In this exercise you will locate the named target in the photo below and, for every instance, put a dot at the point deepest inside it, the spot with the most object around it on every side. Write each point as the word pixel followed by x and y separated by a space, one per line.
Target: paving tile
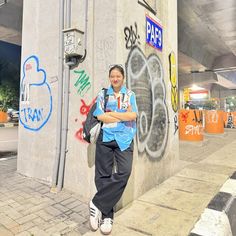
pixel 73 205
pixel 24 234
pixel 23 227
pixel 44 215
pixel 5 232
pixel 26 218
pixel 37 232
pixel 80 208
pixel 78 218
pixel 149 219
pixel 68 201
pixel 60 207
pixel 13 214
pixel 57 228
pixel 53 211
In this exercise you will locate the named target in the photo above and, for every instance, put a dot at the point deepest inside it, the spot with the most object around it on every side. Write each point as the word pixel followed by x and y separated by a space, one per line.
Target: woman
pixel 115 141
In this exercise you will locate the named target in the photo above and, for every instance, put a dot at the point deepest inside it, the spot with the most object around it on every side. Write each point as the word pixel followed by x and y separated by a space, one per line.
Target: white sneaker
pixel 95 216
pixel 106 226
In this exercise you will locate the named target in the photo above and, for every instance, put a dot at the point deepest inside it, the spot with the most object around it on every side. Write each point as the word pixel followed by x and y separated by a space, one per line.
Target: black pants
pixel 110 186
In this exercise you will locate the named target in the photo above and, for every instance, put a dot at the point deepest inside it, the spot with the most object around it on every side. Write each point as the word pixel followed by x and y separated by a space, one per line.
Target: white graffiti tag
pixel 193 130
pixel 145 78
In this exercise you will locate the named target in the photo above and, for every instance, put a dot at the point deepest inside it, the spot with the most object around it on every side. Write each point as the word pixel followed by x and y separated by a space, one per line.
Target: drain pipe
pixel 60 96
pixel 86 28
pixel 65 108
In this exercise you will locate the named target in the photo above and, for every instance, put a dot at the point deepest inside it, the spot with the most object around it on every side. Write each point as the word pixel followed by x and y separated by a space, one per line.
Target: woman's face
pixel 116 79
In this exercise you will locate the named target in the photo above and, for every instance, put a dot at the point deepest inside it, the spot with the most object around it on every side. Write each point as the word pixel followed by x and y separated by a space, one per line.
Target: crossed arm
pixel 112 117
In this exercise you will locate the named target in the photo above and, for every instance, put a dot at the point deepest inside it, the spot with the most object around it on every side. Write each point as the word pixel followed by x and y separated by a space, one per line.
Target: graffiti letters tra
pixel 35 111
pixel 145 78
pixel 131 36
pixel 82 83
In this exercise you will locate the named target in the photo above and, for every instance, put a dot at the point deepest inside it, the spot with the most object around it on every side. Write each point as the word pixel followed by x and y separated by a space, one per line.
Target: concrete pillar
pixel 116 34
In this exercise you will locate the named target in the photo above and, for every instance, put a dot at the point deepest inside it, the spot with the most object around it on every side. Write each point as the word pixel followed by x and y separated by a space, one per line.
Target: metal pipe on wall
pixel 65 108
pixel 60 96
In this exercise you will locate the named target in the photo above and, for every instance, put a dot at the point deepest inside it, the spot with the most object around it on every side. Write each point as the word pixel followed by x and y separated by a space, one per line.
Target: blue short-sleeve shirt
pixel 123 132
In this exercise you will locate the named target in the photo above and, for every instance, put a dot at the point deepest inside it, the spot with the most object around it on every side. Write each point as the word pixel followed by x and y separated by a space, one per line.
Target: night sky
pixel 10 52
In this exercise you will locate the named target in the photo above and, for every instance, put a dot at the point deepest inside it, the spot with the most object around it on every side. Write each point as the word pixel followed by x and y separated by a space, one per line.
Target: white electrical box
pixel 73 42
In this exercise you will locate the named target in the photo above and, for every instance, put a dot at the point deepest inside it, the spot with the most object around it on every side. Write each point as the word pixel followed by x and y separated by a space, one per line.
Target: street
pixel 8 140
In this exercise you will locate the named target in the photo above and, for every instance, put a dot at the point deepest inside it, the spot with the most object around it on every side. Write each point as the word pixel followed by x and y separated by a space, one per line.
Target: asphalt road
pixel 8 140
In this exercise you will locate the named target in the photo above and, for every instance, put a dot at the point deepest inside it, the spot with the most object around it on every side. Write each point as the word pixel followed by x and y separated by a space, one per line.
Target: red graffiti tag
pixel 84 110
pixel 184 116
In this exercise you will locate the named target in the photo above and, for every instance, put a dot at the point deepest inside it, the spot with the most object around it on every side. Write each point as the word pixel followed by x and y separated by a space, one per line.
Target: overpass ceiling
pixel 207 36
pixel 11 21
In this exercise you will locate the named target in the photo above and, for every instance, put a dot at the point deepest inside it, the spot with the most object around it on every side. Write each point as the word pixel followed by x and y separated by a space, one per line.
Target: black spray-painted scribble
pixel 176 124
pixel 145 78
pixel 198 117
pixel 147 6
pixel 131 36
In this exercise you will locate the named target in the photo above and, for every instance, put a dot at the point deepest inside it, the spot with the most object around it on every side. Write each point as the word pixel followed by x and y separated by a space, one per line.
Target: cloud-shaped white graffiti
pixel 35 96
pixel 145 78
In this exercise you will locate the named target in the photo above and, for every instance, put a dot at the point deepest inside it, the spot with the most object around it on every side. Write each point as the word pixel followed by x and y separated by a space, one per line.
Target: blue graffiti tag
pixel 34 111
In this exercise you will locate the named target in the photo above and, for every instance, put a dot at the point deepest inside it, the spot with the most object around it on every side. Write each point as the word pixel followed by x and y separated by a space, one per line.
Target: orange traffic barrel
pixel 190 125
pixel 214 122
pixel 3 117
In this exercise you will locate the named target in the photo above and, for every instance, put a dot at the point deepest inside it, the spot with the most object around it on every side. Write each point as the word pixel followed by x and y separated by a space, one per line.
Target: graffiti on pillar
pixel 145 78
pixel 35 95
pixel 147 6
pixel 131 36
pixel 84 110
pixel 82 83
pixel 174 88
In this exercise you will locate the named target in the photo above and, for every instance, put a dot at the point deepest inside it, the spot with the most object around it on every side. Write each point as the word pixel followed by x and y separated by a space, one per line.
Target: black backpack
pixel 92 126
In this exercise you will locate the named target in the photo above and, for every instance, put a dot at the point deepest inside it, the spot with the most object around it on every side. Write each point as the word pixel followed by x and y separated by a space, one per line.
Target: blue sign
pixel 153 33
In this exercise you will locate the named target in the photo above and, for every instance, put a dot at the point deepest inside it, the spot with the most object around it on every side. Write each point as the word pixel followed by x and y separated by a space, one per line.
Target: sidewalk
pixel 171 209
pixel 28 208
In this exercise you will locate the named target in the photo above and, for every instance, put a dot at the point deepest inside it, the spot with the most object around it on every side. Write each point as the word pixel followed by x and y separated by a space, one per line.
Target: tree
pixel 9 85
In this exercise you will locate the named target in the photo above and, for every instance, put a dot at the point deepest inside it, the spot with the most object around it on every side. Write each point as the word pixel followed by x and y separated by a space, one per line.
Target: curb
pixel 7 125
pixel 218 218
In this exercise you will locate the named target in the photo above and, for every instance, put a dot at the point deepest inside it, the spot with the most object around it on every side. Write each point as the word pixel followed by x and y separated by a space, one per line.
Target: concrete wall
pixel 116 34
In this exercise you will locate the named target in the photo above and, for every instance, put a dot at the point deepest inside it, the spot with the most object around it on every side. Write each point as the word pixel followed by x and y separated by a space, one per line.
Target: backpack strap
pixel 105 97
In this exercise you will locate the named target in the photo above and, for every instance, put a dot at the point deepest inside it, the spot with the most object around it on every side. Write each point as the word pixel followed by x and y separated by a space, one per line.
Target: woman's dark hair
pixel 119 68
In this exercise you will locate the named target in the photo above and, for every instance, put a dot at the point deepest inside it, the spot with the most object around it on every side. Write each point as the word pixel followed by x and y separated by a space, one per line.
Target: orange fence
pixel 190 125
pixel 214 121
pixel 3 117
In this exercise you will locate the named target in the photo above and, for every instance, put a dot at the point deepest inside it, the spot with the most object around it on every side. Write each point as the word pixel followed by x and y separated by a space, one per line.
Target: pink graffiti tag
pixel 28 67
pixel 84 110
